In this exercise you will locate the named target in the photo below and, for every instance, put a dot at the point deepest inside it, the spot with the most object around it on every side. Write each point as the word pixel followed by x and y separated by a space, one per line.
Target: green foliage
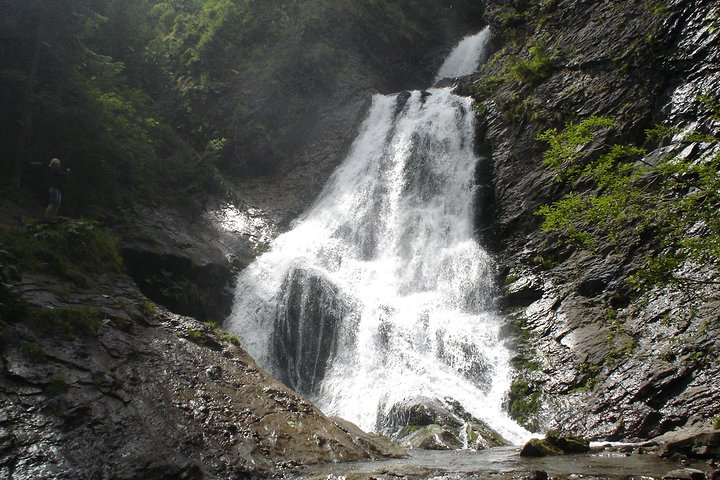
pixel 196 336
pixel 542 262
pixel 486 87
pixel 76 85
pixel 148 308
pixel 618 198
pixel 519 16
pixel 73 249
pixel 33 352
pixel 66 321
pixel 524 404
pixel 566 147
pixel 716 422
pixel 660 133
pixel 225 336
pixel 658 7
pixel 536 69
pixel 623 343
pixel 711 104
pixel 57 385
pixel 589 377
pixel 229 337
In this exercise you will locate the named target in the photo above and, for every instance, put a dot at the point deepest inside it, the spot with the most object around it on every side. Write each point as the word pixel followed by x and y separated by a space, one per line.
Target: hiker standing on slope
pixel 56 177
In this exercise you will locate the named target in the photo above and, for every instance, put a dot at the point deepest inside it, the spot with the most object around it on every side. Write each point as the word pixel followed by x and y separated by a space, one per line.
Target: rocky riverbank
pixel 100 382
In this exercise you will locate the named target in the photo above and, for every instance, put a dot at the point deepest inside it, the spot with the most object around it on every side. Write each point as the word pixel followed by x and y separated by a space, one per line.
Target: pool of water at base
pixel 497 462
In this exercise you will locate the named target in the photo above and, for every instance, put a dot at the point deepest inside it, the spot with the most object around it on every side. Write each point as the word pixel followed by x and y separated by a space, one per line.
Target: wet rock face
pixel 697 445
pixel 603 362
pixel 305 334
pixel 185 262
pixel 434 424
pixel 149 394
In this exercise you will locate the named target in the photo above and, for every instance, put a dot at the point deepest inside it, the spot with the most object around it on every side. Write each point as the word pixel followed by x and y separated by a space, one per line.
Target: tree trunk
pixel 27 112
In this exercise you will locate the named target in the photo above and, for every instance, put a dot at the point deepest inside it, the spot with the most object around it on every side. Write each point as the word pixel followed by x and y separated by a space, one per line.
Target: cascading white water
pixel 380 291
pixel 466 57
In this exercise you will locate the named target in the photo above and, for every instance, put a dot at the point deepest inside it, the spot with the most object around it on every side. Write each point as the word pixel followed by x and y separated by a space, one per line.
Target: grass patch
pixel 72 249
pixel 57 385
pixel 196 336
pixel 69 322
pixel 148 309
pixel 33 352
pixel 590 376
pixel 536 69
pixel 226 336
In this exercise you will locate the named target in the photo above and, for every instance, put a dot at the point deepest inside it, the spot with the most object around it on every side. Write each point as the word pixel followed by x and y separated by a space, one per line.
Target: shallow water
pixel 461 464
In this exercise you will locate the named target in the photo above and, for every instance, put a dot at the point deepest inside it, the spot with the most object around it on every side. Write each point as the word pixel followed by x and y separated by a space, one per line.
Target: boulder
pixel 568 443
pixel 432 437
pixel 693 445
pixel 555 443
pixel 538 447
pixel 685 474
pixel 185 262
pixel 436 424
pixel 306 328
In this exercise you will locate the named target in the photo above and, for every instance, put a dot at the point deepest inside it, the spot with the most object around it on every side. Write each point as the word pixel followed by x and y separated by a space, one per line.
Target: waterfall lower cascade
pixel 380 292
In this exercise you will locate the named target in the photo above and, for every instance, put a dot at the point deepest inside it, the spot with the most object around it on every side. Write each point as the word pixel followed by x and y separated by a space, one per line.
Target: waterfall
pixel 380 292
pixel 467 55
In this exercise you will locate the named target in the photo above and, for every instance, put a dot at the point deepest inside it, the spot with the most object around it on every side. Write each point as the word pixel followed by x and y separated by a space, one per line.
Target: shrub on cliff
pixel 72 249
pixel 619 195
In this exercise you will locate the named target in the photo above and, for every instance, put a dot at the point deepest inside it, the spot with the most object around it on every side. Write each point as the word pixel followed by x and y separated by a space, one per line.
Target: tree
pixel 619 195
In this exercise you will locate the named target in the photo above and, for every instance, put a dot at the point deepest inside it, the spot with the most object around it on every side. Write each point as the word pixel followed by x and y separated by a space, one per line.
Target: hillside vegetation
pixel 141 97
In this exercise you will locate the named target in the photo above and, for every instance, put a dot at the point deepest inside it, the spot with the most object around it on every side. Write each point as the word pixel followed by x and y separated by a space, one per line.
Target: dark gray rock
pixel 185 262
pixel 538 447
pixel 608 364
pixel 685 474
pixel 436 424
pixel 555 443
pixel 306 328
pixel 535 475
pixel 152 395
pixel 568 443
pixel 522 292
pixel 697 445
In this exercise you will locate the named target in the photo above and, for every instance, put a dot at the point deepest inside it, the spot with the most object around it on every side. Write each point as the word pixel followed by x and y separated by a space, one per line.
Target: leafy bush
pixel 73 249
pixel 618 198
pixel 524 404
pixel 535 70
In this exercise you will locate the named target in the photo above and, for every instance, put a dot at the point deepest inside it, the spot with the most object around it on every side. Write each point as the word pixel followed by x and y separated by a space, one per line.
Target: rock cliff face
pixel 594 358
pixel 105 385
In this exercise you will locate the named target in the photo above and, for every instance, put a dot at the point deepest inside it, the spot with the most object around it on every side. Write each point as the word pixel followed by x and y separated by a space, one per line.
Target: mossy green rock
pixel 554 444
pixel 433 437
pixel 435 424
pixel 568 443
pixel 539 447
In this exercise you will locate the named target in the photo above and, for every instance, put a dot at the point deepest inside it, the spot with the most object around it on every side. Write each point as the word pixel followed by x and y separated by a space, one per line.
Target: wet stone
pixel 685 474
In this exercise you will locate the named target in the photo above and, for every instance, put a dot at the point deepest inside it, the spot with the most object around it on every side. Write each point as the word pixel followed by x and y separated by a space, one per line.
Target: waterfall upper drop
pixel 467 55
pixel 380 293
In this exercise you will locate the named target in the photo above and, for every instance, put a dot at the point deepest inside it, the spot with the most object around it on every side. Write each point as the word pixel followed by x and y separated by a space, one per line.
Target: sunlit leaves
pixel 622 199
